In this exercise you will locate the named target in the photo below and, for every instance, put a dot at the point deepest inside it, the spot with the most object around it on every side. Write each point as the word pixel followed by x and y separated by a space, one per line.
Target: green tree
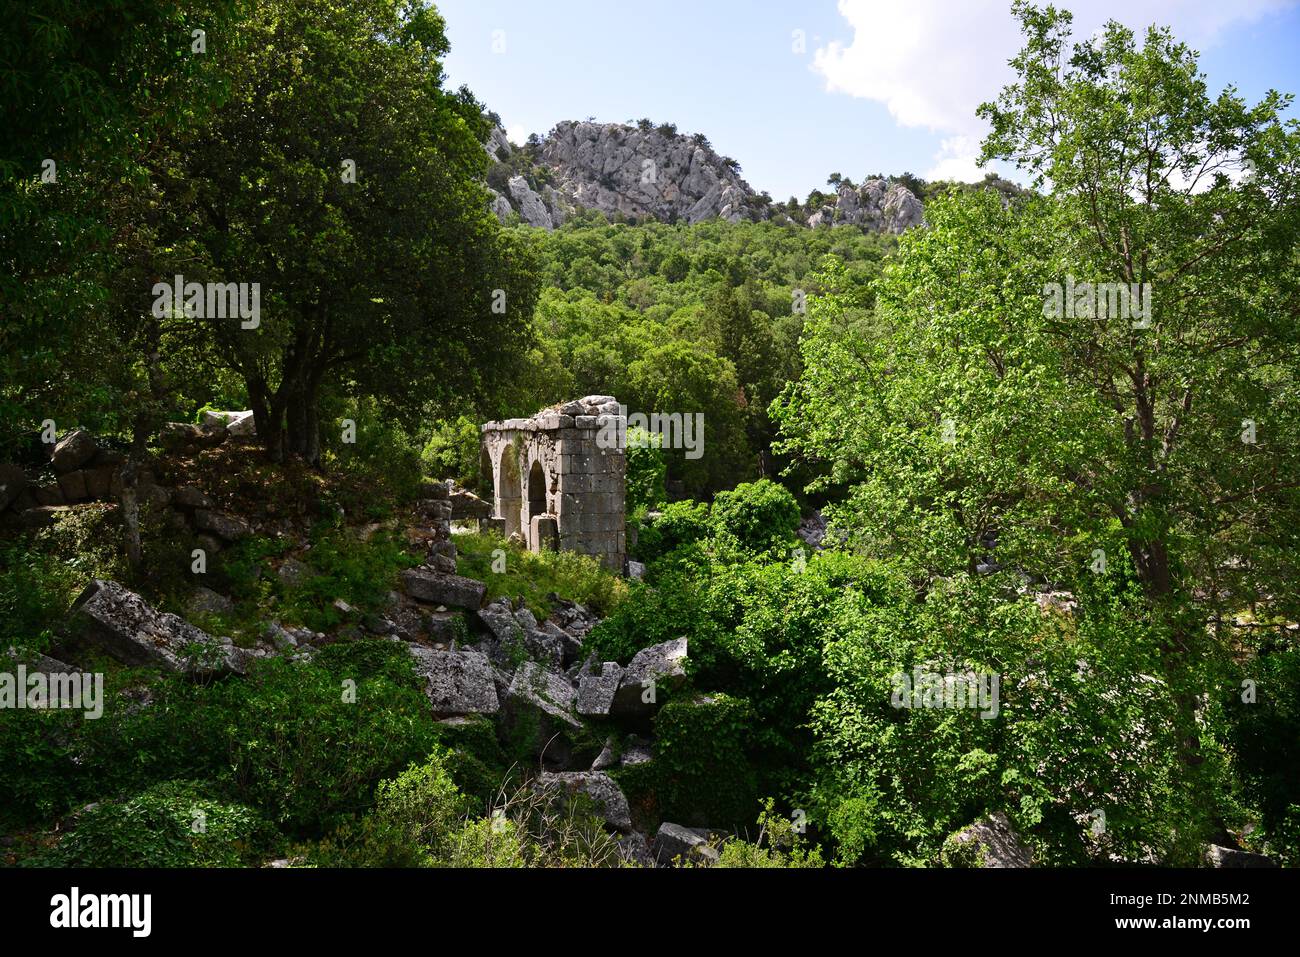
pixel 399 285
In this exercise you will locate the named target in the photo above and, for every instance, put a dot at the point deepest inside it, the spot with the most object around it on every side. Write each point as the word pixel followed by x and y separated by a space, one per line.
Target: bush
pixel 679 524
pixel 646 471
pixel 453 453
pixel 760 516
pixel 173 824
pixel 704 773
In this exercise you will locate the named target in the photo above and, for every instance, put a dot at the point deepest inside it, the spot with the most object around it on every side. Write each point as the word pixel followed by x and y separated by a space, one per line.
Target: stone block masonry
pixel 550 467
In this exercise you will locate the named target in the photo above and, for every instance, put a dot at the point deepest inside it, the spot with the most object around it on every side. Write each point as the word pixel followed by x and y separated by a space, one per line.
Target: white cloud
pixel 517 134
pixel 932 62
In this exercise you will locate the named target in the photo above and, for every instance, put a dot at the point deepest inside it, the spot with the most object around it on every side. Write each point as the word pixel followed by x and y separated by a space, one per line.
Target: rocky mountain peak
pixel 646 171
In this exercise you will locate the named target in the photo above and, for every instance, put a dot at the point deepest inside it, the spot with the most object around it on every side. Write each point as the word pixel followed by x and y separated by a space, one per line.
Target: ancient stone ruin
pixel 554 486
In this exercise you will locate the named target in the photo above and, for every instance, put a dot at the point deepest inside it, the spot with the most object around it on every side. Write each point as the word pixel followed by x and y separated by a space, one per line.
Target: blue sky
pixel 866 86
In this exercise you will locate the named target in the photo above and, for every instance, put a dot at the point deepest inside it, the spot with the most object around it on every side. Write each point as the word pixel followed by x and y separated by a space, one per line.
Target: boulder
pixel 228 528
pixel 1217 855
pixel 500 620
pixel 12 482
pixel 456 682
pixel 126 627
pixel 672 842
pixel 99 482
pixel 73 451
pixel 189 497
pixel 655 668
pixel 236 424
pixel 636 751
pixel 596 691
pixel 438 588
pixel 608 797
pixel 49 494
pixel 73 486
pixel 293 572
pixel 535 688
pixel 989 842
pixel 207 601
pixel 635 850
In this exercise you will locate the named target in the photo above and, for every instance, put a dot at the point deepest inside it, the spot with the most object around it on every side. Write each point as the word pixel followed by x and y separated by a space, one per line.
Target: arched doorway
pixel 510 491
pixel 536 492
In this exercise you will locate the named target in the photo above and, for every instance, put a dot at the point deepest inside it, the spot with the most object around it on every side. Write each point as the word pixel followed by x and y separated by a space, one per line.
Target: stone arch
pixel 487 474
pixel 536 491
pixel 510 492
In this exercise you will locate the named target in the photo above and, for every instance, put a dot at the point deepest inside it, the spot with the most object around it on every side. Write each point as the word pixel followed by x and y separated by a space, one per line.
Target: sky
pixel 799 89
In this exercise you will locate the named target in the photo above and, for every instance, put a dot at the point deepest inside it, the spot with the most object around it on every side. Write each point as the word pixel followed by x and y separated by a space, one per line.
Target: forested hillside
pixel 988 556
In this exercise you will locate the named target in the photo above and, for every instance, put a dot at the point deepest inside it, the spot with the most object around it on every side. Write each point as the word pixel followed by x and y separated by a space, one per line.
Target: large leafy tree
pixel 91 90
pixel 978 431
pixel 399 285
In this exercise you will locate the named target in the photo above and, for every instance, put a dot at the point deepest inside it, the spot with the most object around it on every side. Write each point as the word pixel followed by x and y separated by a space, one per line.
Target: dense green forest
pixel 1092 515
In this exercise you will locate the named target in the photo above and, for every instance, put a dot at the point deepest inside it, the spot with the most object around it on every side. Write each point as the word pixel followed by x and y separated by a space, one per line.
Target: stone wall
pixel 554 485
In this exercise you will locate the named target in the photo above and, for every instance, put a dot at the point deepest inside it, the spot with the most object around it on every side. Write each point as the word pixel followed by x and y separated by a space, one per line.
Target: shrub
pixel 760 516
pixel 646 471
pixel 679 524
pixel 173 824
pixel 704 773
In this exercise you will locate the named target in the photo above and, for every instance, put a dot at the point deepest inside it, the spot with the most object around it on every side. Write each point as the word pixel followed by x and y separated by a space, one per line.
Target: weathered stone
pixel 635 850
pixel 457 682
pixel 207 601
pixel 500 620
pixel 189 497
pixel 652 669
pixel 1218 856
pixel 636 751
pixel 236 424
pixel 673 842
pixel 596 692
pixel 534 687
pixel 226 527
pixel 49 494
pixel 438 588
pixel 73 451
pixel 128 628
pixel 989 842
pixel 99 482
pixel 12 482
pixel 607 796
pixel 293 572
pixel 73 486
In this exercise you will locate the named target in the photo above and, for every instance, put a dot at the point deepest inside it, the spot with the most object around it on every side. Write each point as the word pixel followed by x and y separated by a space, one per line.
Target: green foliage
pixel 646 470
pixel 678 524
pixel 173 824
pixel 705 775
pixel 786 847
pixel 760 516
pixel 535 576
pixel 453 453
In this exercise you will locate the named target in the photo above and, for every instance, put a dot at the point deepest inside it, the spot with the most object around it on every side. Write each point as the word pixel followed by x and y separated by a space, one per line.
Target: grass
pixel 533 577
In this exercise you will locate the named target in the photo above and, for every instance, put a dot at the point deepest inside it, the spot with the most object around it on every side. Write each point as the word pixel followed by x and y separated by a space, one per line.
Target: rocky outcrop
pixel 876 205
pixel 647 172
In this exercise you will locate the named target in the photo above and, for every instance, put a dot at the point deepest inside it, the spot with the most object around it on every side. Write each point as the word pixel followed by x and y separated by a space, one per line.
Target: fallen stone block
pixel 438 588
pixel 73 451
pixel 673 842
pixel 650 672
pixel 596 691
pixel 123 625
pixel 607 796
pixel 456 682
